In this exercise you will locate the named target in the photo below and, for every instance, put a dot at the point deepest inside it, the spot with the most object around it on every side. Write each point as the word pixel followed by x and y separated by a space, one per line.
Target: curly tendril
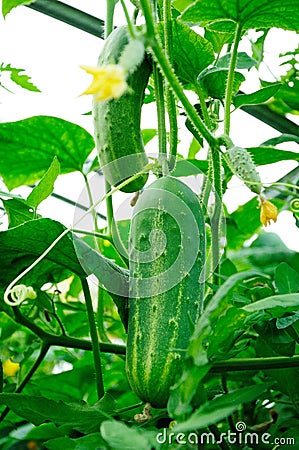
pixel 18 294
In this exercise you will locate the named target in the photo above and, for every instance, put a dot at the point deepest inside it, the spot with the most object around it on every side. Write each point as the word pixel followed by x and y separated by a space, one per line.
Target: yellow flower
pixel 10 368
pixel 109 81
pixel 268 212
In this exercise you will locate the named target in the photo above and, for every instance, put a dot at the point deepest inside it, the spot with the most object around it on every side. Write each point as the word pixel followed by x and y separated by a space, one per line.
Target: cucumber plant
pixel 167 342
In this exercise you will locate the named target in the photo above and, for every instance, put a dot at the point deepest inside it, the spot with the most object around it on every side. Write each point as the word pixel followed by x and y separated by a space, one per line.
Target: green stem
pixel 170 100
pixel 63 340
pixel 159 94
pixel 170 76
pixel 93 212
pixel 173 127
pixel 44 350
pixel 204 109
pixel 127 16
pixel 110 6
pixel 230 79
pixel 109 207
pixel 100 319
pixel 94 339
pixel 93 233
pixel 216 218
pixel 269 363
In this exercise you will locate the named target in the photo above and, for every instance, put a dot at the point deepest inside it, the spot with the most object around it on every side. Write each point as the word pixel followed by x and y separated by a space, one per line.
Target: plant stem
pixel 100 316
pixel 110 213
pixel 230 79
pixel 94 339
pixel 170 100
pixel 63 340
pixel 93 233
pixel 129 23
pixel 44 350
pixel 170 76
pixel 159 94
pixel 216 218
pixel 268 363
pixel 110 6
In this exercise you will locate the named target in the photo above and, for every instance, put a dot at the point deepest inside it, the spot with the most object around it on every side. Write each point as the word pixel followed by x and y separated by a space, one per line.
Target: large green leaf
pixel 22 245
pixel 249 14
pixel 221 407
pixel 8 5
pixel 191 52
pixel 38 409
pixel 27 148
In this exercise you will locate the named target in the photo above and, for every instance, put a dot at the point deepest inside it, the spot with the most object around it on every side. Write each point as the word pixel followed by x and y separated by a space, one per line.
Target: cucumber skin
pixel 161 322
pixel 117 121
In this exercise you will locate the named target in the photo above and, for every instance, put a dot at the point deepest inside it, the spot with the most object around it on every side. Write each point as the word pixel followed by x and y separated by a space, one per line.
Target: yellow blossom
pixel 109 81
pixel 268 212
pixel 10 368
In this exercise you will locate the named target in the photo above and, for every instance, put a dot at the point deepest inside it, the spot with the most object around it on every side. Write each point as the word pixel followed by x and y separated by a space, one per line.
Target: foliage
pixel 63 381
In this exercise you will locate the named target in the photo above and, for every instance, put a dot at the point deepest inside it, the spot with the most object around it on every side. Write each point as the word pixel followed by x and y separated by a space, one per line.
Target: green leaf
pixel 22 245
pixel 8 5
pixel 148 134
pixel 91 441
pixel 253 14
pixel 276 305
pixel 213 80
pixel 19 78
pixel 218 39
pixel 37 410
pixel 27 148
pixel 244 61
pixel 280 139
pixel 18 211
pixel 286 279
pixel 268 155
pixel 221 407
pixel 198 364
pixel 187 167
pixel 118 435
pixel 191 52
pixel 112 278
pixel 46 185
pixel 257 97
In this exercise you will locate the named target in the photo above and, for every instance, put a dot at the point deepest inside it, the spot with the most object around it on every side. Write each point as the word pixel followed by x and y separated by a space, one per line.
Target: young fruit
pixel 167 256
pixel 117 121
pixel 242 165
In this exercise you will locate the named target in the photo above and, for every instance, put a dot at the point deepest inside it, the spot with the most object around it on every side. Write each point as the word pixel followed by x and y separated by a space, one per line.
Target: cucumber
pixel 167 256
pixel 242 165
pixel 117 121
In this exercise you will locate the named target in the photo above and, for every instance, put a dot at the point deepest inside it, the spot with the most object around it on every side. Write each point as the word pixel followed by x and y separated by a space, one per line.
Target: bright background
pixel 51 53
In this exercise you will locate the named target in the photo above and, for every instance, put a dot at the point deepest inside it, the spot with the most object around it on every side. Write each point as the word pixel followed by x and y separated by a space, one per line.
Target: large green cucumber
pixel 117 121
pixel 167 256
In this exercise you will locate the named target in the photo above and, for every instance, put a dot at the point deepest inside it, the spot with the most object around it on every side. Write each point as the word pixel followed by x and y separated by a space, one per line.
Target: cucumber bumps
pixel 117 121
pixel 167 256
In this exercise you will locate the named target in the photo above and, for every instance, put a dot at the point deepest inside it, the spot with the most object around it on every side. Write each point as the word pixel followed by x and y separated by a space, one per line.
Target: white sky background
pixel 51 52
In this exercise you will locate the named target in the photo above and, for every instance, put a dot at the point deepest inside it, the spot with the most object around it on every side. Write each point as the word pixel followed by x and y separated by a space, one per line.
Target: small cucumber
pixel 242 165
pixel 117 121
pixel 167 256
